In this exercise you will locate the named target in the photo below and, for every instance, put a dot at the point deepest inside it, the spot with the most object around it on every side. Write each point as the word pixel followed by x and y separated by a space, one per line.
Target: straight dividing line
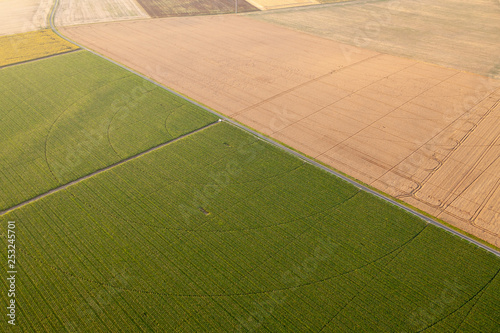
pixel 97 172
pixel 279 145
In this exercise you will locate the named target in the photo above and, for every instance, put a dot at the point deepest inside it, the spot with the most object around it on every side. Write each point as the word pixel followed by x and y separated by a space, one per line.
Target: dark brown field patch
pixel 167 8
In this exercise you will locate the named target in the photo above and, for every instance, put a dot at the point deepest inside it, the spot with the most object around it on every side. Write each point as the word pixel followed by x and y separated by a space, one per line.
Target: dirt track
pixel 426 134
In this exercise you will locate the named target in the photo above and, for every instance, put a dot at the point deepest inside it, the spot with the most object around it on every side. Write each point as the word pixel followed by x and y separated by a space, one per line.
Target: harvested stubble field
pixel 275 4
pixel 462 34
pixel 66 116
pixel 221 232
pixel 398 124
pixel 31 45
pixel 166 8
pixel 18 16
pixel 72 12
pixel 332 1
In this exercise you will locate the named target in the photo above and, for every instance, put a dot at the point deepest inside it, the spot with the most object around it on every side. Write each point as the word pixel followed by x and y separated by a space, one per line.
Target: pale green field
pixel 67 116
pixel 452 33
pixel 218 231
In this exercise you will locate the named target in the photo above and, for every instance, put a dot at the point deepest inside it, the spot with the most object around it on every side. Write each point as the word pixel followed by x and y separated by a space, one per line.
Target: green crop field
pixel 167 8
pixel 451 33
pixel 64 117
pixel 222 232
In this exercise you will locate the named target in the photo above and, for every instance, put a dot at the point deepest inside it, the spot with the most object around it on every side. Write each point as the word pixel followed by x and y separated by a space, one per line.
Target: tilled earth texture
pixel 423 133
pixel 461 34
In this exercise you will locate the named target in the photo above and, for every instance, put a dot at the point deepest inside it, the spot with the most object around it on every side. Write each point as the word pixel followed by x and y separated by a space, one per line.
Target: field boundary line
pixel 279 145
pixel 395 251
pixel 316 79
pixel 37 59
pixel 109 167
pixel 313 5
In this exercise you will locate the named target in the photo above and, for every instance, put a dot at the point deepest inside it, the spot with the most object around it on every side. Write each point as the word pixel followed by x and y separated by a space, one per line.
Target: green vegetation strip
pixel 222 232
pixel 68 116
pixel 218 232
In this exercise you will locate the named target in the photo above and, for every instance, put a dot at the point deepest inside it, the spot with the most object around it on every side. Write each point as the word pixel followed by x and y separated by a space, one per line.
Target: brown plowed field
pixel 18 16
pixel 426 134
pixel 167 8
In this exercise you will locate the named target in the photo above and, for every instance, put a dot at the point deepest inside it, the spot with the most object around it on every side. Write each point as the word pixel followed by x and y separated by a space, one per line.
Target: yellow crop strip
pixel 31 45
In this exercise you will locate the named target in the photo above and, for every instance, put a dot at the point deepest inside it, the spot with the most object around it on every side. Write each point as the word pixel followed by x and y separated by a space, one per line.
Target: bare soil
pixel 18 16
pixel 426 134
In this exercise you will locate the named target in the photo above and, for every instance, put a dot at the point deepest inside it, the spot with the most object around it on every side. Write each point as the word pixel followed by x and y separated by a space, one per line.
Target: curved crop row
pixel 32 45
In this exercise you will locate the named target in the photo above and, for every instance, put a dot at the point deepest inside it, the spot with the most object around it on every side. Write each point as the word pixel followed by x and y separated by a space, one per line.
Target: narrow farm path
pixel 38 59
pixel 95 173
